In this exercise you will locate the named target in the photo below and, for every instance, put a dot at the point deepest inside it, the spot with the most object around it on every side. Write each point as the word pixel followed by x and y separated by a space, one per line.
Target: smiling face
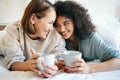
pixel 43 25
pixel 65 27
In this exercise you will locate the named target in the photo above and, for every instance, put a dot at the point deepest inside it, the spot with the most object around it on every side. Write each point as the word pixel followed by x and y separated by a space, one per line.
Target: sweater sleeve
pixel 11 46
pixel 102 50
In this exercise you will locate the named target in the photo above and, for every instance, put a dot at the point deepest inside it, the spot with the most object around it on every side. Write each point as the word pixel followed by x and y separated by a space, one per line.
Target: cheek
pixel 58 29
pixel 71 28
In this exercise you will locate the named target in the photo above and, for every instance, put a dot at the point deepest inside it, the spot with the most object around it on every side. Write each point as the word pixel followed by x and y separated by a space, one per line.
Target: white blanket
pixel 28 75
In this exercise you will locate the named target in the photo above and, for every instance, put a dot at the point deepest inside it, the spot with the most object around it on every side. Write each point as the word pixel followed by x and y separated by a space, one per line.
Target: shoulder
pixel 55 34
pixel 13 26
pixel 93 37
pixel 12 29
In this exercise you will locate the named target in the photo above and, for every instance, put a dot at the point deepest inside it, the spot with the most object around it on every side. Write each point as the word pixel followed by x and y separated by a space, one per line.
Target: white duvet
pixel 29 75
pixel 109 75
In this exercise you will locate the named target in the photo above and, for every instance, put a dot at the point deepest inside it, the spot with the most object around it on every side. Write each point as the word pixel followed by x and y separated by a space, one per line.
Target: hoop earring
pixel 31 28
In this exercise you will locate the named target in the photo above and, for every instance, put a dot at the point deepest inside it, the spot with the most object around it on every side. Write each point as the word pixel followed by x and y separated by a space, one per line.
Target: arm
pixel 19 66
pixel 111 64
pixel 14 57
pixel 29 65
pixel 79 66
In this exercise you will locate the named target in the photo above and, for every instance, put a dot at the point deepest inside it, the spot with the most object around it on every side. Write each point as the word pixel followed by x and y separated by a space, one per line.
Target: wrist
pixel 27 66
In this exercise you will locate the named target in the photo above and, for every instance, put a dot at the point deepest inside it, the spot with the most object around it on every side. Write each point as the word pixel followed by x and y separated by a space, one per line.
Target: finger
pixel 62 62
pixel 66 70
pixel 77 64
pixel 54 68
pixel 32 51
pixel 65 67
pixel 35 56
pixel 37 71
pixel 46 74
pixel 41 75
pixel 76 70
pixel 49 71
pixel 43 63
pixel 79 60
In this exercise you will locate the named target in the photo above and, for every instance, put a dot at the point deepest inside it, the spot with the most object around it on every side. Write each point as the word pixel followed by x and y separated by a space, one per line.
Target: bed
pixel 104 29
pixel 29 75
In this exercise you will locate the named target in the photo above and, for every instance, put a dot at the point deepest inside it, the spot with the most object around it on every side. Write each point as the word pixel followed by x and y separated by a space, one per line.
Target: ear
pixel 32 18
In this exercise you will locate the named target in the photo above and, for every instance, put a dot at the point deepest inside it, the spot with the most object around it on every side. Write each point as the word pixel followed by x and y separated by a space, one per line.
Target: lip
pixel 46 33
pixel 64 34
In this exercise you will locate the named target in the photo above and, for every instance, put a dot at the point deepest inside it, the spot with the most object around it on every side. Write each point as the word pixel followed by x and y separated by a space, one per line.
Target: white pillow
pixel 108 28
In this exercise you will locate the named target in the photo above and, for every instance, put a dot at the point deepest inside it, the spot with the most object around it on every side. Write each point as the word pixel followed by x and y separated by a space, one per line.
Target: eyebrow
pixel 66 21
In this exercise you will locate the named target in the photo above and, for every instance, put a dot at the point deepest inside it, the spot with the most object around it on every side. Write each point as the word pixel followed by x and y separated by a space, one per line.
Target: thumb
pixel 34 55
pixel 32 51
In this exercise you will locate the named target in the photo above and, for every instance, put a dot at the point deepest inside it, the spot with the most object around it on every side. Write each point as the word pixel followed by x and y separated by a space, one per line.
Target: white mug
pixel 48 58
pixel 70 56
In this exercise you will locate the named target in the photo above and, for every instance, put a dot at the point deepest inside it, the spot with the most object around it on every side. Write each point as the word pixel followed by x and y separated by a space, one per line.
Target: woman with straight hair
pixel 25 40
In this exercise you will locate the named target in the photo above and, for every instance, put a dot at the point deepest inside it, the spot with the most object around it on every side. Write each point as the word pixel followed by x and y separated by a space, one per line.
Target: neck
pixel 33 36
pixel 73 38
pixel 74 42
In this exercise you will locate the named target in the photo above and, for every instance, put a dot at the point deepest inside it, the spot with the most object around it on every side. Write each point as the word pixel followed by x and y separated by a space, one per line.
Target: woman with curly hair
pixel 74 24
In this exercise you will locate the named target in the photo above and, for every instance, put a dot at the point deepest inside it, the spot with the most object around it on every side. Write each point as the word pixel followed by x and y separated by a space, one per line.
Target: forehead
pixel 62 19
pixel 50 13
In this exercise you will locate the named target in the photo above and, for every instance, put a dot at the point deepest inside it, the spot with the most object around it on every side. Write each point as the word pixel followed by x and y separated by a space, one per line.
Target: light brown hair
pixel 38 7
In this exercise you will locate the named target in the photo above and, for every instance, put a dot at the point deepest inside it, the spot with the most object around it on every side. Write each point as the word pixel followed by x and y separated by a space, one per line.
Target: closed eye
pixel 56 25
pixel 51 22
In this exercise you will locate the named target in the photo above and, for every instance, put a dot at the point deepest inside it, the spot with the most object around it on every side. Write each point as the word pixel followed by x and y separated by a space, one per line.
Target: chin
pixel 66 37
pixel 44 37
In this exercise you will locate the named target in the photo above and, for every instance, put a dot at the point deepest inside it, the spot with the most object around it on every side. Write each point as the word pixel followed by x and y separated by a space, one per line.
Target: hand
pixel 32 62
pixel 60 64
pixel 49 71
pixel 78 66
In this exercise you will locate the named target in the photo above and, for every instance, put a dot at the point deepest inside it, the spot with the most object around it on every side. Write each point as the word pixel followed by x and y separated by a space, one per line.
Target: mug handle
pixel 39 63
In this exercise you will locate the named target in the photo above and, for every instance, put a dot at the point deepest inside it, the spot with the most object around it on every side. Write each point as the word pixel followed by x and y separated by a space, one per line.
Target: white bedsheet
pixel 28 75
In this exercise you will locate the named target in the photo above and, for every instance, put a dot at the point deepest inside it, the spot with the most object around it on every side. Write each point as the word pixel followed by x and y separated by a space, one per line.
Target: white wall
pixel 115 8
pixel 96 7
pixel 11 10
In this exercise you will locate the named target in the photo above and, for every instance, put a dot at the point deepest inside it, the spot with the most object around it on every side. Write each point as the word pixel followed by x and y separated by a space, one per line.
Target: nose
pixel 62 28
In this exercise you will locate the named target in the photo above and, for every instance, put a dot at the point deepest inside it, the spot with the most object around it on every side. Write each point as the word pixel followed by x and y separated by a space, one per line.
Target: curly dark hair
pixel 83 26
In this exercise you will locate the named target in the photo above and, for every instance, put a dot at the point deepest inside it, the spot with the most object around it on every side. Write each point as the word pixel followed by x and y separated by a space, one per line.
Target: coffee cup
pixel 48 58
pixel 70 56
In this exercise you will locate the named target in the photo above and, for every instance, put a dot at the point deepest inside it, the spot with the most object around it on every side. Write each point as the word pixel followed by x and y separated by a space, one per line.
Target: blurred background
pixel 105 14
pixel 12 10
